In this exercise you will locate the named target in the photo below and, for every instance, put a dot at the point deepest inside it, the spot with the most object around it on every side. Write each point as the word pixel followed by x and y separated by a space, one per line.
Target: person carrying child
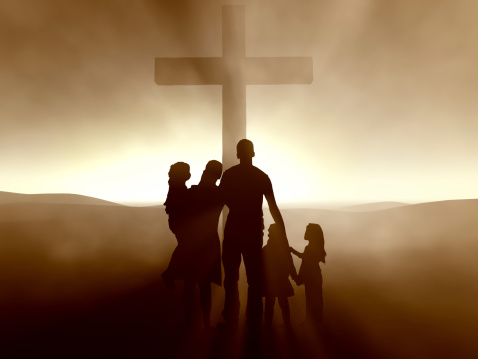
pixel 310 273
pixel 277 267
pixel 177 205
pixel 193 218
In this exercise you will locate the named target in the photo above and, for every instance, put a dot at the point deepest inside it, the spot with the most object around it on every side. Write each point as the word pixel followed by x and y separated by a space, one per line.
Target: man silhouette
pixel 243 187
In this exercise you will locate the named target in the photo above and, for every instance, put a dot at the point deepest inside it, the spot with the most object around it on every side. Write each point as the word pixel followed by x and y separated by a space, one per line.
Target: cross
pixel 233 71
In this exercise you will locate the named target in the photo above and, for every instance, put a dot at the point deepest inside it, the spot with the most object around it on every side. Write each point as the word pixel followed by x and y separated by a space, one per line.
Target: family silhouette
pixel 193 216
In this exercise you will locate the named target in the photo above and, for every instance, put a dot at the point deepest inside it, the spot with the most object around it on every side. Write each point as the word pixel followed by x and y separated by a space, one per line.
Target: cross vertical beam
pixel 234 85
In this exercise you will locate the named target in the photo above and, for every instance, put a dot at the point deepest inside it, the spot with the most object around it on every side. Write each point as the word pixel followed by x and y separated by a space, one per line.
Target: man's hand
pixel 298 254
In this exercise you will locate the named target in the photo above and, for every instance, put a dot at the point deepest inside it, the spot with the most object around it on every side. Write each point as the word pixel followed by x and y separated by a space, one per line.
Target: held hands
pixel 292 250
pixel 297 280
pixel 294 275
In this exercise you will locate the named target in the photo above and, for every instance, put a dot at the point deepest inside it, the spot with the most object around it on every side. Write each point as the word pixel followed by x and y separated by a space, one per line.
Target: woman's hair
pixel 213 170
pixel 179 172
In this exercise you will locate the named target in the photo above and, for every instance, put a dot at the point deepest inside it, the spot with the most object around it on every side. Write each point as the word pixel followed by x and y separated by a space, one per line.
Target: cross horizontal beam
pixel 212 70
pixel 278 70
pixel 188 71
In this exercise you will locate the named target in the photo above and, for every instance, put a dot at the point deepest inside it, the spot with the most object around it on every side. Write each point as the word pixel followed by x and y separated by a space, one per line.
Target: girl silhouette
pixel 310 273
pixel 278 266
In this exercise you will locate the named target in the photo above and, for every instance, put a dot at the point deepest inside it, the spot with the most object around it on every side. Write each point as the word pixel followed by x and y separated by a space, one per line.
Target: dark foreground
pixel 80 281
pixel 145 323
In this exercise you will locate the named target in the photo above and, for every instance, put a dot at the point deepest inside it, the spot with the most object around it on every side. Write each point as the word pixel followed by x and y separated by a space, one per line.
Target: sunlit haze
pixel 390 115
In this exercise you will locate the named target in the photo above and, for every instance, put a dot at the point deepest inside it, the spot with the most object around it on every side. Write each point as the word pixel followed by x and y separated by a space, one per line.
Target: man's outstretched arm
pixel 277 217
pixel 275 212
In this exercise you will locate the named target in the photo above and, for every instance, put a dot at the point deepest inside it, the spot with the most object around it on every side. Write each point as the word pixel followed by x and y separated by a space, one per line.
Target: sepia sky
pixel 390 116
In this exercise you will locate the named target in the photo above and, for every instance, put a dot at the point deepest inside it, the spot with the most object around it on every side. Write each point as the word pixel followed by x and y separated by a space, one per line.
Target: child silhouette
pixel 310 273
pixel 278 266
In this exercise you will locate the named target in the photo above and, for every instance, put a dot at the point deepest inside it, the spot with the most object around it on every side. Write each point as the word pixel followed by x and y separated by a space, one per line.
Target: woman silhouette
pixel 205 260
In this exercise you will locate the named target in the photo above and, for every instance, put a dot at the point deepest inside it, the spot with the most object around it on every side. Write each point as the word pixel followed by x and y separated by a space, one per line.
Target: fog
pixel 390 115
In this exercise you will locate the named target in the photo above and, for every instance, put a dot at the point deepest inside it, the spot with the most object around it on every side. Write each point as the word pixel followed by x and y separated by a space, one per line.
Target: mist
pixel 389 116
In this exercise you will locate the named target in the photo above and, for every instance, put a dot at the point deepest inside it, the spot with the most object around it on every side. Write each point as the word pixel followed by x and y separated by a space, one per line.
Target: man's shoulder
pixel 259 171
pixel 261 177
pixel 232 169
pixel 238 169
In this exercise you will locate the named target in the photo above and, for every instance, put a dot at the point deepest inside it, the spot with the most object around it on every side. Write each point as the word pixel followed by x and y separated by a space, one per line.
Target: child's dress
pixel 276 269
pixel 311 275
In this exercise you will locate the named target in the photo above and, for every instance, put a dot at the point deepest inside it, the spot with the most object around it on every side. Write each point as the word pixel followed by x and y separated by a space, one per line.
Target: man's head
pixel 245 149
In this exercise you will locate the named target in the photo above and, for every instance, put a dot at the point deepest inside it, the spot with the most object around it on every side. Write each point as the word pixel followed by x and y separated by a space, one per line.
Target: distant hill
pixel 61 198
pixel 368 207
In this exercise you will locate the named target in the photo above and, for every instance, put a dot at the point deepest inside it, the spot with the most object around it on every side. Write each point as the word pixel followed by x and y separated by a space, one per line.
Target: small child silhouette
pixel 278 266
pixel 310 273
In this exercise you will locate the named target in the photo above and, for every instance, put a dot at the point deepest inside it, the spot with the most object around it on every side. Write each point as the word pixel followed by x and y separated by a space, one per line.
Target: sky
pixel 389 116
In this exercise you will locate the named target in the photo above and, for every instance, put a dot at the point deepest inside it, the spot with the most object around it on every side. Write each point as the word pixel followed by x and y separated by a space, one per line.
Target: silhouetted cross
pixel 233 71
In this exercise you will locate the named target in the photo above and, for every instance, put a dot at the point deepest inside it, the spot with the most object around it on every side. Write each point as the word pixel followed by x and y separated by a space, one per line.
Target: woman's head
pixel 179 172
pixel 212 172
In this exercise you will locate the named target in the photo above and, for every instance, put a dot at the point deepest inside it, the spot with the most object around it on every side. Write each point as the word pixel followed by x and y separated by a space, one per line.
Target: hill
pixel 376 206
pixel 62 198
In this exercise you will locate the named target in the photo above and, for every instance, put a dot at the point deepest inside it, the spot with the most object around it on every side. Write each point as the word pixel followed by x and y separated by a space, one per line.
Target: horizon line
pixel 326 204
